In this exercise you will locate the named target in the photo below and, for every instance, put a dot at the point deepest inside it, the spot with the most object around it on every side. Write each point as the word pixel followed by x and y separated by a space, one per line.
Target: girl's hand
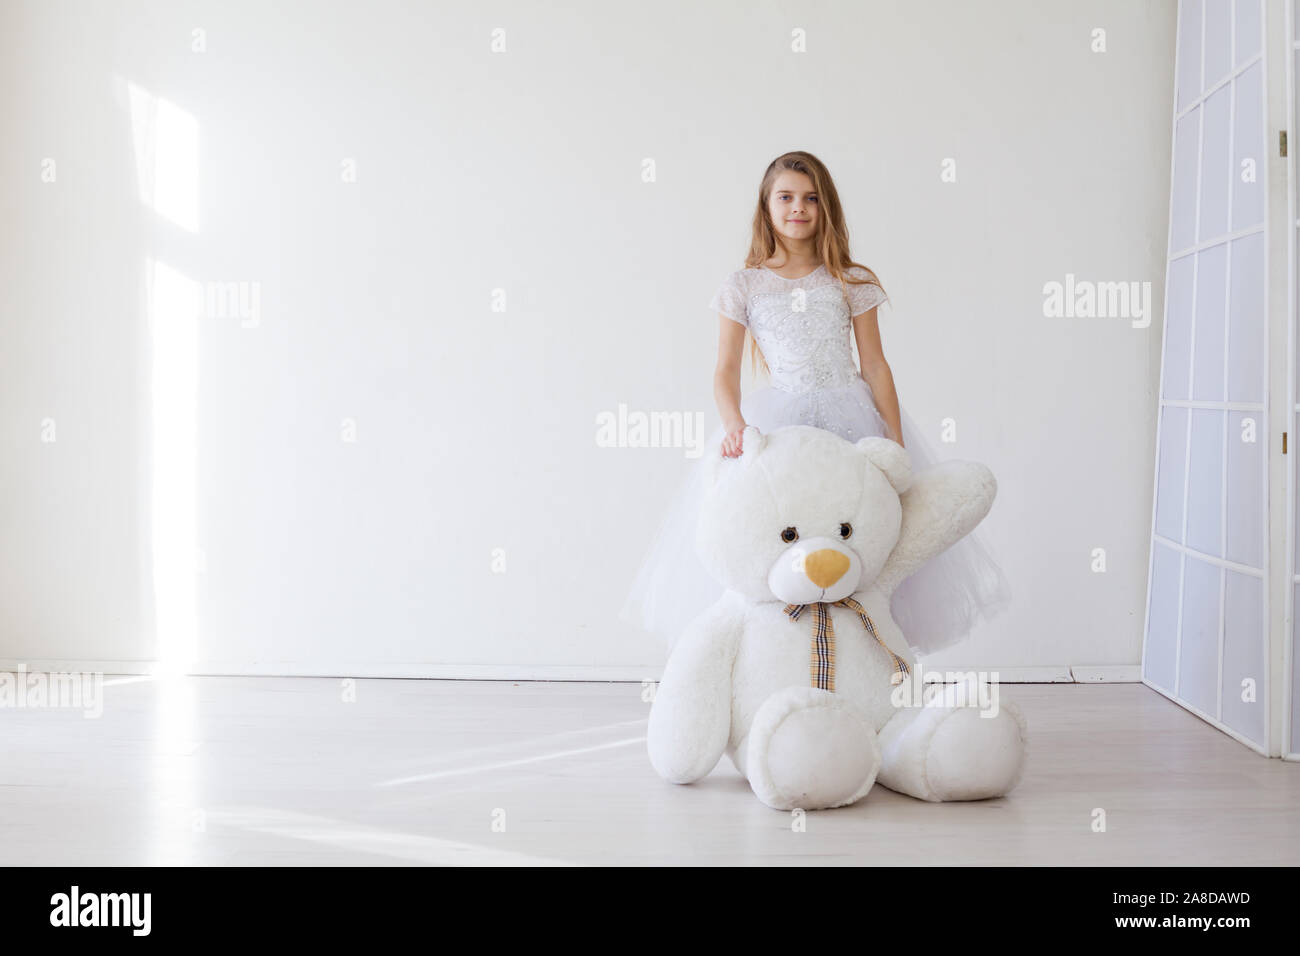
pixel 733 440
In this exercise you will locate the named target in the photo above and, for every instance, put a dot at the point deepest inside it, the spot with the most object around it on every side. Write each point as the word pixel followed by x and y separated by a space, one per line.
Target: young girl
pixel 797 300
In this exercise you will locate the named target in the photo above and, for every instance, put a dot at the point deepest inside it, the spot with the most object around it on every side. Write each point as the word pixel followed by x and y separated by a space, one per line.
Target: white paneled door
pixel 1207 634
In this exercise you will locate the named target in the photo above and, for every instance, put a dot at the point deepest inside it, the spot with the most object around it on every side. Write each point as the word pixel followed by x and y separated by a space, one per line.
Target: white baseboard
pixel 1050 674
pixel 1057 674
pixel 1107 673
pixel 561 672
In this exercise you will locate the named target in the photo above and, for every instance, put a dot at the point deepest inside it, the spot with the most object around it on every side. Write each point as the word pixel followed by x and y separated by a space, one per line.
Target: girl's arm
pixel 726 384
pixel 875 370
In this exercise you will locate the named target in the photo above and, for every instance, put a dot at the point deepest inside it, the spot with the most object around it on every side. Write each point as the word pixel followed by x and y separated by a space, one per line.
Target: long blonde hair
pixel 832 239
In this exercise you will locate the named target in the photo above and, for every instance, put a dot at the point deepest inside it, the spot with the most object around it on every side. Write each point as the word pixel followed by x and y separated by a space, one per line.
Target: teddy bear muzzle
pixel 814 569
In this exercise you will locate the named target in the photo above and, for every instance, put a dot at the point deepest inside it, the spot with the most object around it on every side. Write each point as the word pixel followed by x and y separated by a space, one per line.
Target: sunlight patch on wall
pixel 174 303
pixel 166 156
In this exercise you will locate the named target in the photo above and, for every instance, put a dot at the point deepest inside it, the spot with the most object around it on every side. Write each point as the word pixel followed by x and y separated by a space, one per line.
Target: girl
pixel 796 300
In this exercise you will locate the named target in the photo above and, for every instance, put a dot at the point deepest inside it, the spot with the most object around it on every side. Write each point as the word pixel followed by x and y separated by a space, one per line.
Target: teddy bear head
pixel 802 515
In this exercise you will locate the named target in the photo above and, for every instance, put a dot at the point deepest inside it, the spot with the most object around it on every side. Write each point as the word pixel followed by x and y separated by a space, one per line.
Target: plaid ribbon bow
pixel 822 668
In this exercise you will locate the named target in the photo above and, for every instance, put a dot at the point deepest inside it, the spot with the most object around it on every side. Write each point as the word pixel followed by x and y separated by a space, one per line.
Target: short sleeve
pixel 731 301
pixel 863 297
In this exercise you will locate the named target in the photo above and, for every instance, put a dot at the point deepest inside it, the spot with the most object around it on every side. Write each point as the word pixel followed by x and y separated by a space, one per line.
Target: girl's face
pixel 793 206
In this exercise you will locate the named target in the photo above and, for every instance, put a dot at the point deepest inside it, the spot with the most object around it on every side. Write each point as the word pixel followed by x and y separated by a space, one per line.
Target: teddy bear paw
pixel 973 757
pixel 944 754
pixel 808 749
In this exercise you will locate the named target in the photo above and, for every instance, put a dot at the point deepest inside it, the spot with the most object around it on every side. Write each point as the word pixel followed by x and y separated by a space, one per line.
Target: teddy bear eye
pixel 846 530
pixel 789 534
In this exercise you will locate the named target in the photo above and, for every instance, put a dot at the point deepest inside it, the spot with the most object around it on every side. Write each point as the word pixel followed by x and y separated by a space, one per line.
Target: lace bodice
pixel 802 325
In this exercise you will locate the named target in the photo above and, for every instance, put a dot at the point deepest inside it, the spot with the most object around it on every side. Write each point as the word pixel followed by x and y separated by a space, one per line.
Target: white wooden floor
pixel 283 771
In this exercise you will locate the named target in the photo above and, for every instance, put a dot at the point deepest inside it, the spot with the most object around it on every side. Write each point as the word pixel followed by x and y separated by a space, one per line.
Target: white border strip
pixel 1288 746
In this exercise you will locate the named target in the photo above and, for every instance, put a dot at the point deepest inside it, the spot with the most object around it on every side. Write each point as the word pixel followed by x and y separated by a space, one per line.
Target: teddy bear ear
pixel 752 442
pixel 891 458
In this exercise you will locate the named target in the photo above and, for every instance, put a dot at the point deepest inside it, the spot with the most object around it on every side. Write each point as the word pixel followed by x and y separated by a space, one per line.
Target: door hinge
pixel 1284 443
pixel 1281 143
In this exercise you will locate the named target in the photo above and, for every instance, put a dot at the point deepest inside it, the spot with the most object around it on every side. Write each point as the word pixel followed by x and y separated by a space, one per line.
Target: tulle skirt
pixel 935 608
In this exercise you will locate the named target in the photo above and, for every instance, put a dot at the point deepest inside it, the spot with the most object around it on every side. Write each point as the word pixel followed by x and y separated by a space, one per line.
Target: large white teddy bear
pixel 814 700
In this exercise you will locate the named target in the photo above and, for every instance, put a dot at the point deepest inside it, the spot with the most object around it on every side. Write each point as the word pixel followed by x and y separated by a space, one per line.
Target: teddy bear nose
pixel 825 567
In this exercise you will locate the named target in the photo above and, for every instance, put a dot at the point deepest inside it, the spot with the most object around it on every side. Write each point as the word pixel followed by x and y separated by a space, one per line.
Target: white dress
pixel 804 329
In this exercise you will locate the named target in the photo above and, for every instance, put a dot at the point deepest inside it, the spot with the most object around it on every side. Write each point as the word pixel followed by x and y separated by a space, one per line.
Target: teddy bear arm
pixel 943 505
pixel 690 719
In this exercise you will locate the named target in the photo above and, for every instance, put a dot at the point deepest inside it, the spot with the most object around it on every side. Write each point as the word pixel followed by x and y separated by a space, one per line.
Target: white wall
pixel 522 171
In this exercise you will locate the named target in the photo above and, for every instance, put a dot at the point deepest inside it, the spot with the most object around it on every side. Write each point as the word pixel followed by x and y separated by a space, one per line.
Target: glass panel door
pixel 1206 636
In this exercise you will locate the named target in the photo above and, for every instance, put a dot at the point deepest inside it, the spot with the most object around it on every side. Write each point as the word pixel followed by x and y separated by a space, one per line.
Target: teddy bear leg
pixel 809 749
pixel 941 753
